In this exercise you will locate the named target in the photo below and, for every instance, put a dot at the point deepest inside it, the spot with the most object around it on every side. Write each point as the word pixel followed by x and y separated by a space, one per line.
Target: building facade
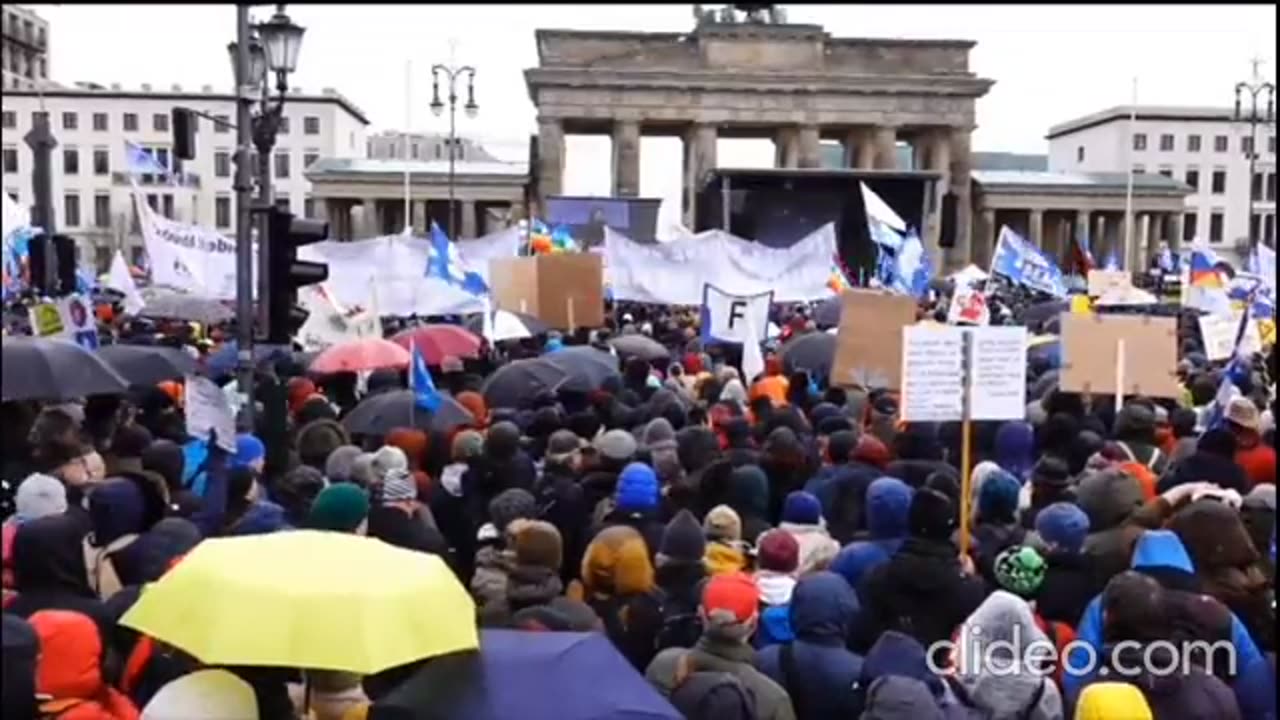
pixel 92 192
pixel 25 49
pixel 1204 148
pixel 398 145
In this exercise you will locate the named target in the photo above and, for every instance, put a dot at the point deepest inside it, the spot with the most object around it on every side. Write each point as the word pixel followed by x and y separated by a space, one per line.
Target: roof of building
pixel 1010 161
pixel 371 166
pixel 1077 182
pixel 1163 113
pixel 176 92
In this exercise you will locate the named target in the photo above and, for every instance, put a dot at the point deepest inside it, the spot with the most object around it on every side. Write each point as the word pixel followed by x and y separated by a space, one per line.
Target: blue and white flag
pixel 446 264
pixel 140 161
pixel 425 395
pixel 1235 375
pixel 1262 262
pixel 1024 264
pixel 913 268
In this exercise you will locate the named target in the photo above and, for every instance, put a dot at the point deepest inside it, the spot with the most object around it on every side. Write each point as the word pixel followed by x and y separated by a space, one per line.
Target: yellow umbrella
pixel 308 599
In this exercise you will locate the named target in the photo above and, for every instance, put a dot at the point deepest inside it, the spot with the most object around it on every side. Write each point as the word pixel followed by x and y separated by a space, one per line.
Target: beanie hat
pixel 1051 472
pixel 537 543
pixel 682 540
pixel 398 486
pixel 562 445
pixel 659 435
pixel 362 470
pixel 729 602
pixel 386 459
pixel 1063 525
pixel 341 507
pixel 1020 570
pixel 998 498
pixel 340 463
pixel 637 488
pixel 722 523
pixel 40 496
pixel 802 508
pixel 617 445
pixel 510 505
pixel 249 449
pixel 777 550
pixel 467 444
pixel 931 515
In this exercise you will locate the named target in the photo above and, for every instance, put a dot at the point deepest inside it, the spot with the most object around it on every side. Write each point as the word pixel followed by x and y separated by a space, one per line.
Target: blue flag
pixel 1024 264
pixel 912 271
pixel 1234 376
pixel 446 264
pixel 425 395
pixel 139 161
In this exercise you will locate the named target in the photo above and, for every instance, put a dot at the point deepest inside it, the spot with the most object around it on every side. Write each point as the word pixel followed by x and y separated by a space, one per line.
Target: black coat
pixel 397 527
pixel 916 472
pixel 562 503
pixel 1070 582
pixel 1199 466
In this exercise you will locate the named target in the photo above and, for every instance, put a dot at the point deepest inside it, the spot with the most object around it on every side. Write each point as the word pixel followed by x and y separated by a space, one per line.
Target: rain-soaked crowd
pixel 754 547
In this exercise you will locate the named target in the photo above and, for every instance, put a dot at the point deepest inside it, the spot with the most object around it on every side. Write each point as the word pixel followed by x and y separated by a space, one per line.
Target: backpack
pixel 102 572
pixel 681 624
pixel 707 695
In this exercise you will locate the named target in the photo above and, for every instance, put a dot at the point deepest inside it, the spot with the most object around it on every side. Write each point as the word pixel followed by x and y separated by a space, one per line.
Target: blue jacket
pixel 262 517
pixel 1254 685
pixel 822 686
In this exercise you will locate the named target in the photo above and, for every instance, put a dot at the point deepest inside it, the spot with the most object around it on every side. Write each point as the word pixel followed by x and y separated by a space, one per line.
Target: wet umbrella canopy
pixel 587 368
pixel 641 346
pixel 147 364
pixel 515 384
pixel 46 369
pixel 381 413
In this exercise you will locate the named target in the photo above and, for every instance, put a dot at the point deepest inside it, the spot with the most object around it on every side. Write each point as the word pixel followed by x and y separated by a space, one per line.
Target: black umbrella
pixel 515 384
pixel 381 413
pixel 827 313
pixel 181 306
pixel 147 364
pixel 641 346
pixel 587 368
pixel 46 369
pixel 813 352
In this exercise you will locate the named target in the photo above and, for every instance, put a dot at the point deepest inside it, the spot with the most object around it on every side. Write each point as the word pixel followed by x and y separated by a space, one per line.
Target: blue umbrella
pixel 531 676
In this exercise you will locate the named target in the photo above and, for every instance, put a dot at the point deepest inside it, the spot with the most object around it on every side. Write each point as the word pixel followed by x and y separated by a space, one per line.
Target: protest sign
pixel 934 381
pixel 1102 281
pixel 46 319
pixel 725 316
pixel 1090 345
pixel 78 322
pixel 565 291
pixel 189 257
pixel 998 373
pixel 869 340
pixel 968 307
pixel 1219 334
pixel 207 409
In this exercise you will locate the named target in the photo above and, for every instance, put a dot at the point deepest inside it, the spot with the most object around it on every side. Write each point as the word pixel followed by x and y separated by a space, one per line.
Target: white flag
pixel 752 359
pixel 119 278
pixel 486 328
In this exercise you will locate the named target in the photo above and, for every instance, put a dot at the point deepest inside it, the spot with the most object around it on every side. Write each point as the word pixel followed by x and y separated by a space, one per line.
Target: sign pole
pixel 1119 374
pixel 966 431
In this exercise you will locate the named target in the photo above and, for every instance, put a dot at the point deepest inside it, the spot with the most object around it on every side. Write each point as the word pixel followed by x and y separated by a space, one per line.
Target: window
pixel 1218 182
pixel 1079 153
pixel 223 124
pixel 10 161
pixel 1271 145
pixel 309 207
pixel 102 256
pixel 10 120
pixel 284 126
pixel 102 210
pixel 70 121
pixel 437 151
pixel 131 122
pixel 282 202
pixel 282 165
pixel 222 164
pixel 137 254
pixel 1271 187
pixel 1193 143
pixel 309 159
pixel 70 161
pixel 1215 226
pixel 222 212
pixel 1255 189
pixel 38 117
pixel 1139 141
pixel 415 149
pixel 100 122
pixel 1167 172
pixel 166 204
pixel 101 161
pixel 1246 146
pixel 1189 227
pixel 1193 179
pixel 1166 142
pixel 71 210
pixel 153 201
pixel 1255 224
pixel 1269 228
pixel 160 122
pixel 311 125
pixel 162 156
pixel 1139 169
pixel 1219 143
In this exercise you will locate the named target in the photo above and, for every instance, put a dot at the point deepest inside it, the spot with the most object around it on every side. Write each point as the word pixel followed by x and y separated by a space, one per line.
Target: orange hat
pixel 734 593
pixel 173 389
pixel 105 314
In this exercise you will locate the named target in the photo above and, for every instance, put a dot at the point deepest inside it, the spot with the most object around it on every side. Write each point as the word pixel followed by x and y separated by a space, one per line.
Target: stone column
pixel 886 148
pixel 1080 227
pixel 809 147
pixel 959 182
pixel 786 148
pixel 939 159
pixel 860 149
pixel 699 157
pixel 550 170
pixel 419 219
pixel 468 225
pixel 370 222
pixel 1098 238
pixel 985 240
pixel 1035 227
pixel 1176 229
pixel 1141 240
pixel 626 158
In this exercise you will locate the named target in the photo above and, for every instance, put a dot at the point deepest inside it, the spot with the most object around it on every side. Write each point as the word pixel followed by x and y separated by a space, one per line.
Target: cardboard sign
pixel 869 340
pixel 933 373
pixel 46 319
pixel 1100 281
pixel 1090 345
pixel 968 307
pixel 565 291
pixel 1219 334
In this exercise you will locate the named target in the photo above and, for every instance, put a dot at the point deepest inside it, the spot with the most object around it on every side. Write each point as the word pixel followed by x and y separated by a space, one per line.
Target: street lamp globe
pixel 282 40
pixel 471 108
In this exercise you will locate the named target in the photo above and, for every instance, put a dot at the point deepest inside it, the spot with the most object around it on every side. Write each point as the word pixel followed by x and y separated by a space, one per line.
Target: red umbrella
pixel 436 342
pixel 366 354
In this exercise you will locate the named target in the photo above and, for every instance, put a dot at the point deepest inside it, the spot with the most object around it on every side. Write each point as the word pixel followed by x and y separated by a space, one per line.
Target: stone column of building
pixel 860 149
pixel 886 147
pixel 699 157
pixel 1080 228
pixel 550 170
pixel 984 239
pixel 939 160
pixel 468 210
pixel 626 158
pixel 1176 229
pixel 1035 227
pixel 959 182
pixel 419 219
pixel 786 148
pixel 809 147
pixel 371 224
pixel 1141 240
pixel 1098 238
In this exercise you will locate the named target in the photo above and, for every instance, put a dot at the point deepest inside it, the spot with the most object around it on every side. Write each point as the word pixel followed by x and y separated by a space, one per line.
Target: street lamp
pixel 1253 90
pixel 451 75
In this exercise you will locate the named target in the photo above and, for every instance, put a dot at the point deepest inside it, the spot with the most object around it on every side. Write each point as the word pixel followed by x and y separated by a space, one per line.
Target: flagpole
pixel 408 123
pixel 1128 190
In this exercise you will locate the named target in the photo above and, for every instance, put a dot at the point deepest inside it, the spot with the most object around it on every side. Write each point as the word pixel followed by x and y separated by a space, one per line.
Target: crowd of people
pixel 762 548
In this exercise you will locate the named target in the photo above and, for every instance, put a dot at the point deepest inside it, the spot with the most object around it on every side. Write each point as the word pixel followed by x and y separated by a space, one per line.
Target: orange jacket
pixel 70 672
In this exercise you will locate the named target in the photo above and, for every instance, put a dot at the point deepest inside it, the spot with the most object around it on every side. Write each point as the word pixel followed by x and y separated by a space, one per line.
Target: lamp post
pixel 259 51
pixel 1254 89
pixel 451 75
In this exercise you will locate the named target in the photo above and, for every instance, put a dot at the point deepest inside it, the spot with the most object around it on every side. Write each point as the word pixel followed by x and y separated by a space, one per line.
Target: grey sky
pixel 1050 62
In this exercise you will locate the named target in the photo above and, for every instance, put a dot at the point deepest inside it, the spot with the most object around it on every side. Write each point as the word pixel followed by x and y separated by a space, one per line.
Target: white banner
pixel 674 273
pixel 187 257
pixel 734 318
pixel 329 323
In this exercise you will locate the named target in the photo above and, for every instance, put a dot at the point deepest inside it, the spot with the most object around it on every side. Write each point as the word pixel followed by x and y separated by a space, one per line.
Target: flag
pixel 140 161
pixel 1083 255
pixel 752 359
pixel 1113 261
pixel 1203 272
pixel 85 281
pixel 1235 375
pixel 425 395
pixel 444 262
pixel 912 269
pixel 1262 262
pixel 877 209
pixel 1024 264
pixel 119 278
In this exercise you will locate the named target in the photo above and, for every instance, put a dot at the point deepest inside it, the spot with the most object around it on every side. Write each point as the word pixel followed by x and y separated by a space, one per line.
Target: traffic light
pixel 64 264
pixel 184 134
pixel 286 273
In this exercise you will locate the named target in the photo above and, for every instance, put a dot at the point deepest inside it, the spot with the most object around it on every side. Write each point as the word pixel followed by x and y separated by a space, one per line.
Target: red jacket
pixel 69 670
pixel 1257 459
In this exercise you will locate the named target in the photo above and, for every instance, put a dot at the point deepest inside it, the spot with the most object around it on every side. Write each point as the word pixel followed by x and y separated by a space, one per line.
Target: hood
pixel 1015 448
pixel 981 472
pixel 1107 700
pixel 116 508
pixel 900 698
pixel 895 653
pixel 775 588
pixel 855 559
pixel 48 555
pixel 70 653
pixel 1108 497
pixel 888 504
pixel 749 491
pixel 1214 536
pixel 823 607
pixel 986 655
pixel 262 517
pixel 1161 549
pixel 161 545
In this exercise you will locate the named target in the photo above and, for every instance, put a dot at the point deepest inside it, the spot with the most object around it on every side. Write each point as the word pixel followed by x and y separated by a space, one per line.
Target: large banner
pixel 675 273
pixel 198 260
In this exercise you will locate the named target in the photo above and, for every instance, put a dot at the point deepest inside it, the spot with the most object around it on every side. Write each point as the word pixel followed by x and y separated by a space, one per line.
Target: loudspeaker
pixel 947 233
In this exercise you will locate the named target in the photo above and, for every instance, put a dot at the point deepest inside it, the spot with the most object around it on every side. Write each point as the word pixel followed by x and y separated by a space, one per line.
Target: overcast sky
pixel 1050 63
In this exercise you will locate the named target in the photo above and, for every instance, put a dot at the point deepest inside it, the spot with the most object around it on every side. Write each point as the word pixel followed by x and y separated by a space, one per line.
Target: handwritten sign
pixel 1103 281
pixel 998 362
pixel 933 373
pixel 1220 332
pixel 207 409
